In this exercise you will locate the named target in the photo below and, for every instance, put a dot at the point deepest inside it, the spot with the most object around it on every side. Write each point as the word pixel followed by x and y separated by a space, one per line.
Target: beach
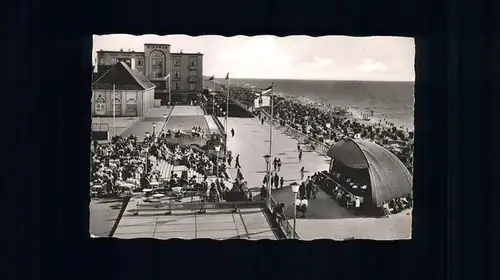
pixel 392 100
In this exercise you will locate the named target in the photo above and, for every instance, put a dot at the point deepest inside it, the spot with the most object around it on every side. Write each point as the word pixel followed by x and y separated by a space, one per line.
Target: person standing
pixel 282 181
pixel 276 180
pixel 298 147
pixel 237 165
pixel 275 164
pixel 308 189
pixel 279 164
pixel 263 192
pixel 357 205
pixel 302 173
pixel 229 160
pixel 302 190
pixel 239 175
pixel 300 155
pixel 315 190
pixel 232 132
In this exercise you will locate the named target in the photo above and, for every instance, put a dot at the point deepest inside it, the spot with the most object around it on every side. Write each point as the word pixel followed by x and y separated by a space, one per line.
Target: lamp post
pixel 217 148
pixel 295 189
pixel 268 183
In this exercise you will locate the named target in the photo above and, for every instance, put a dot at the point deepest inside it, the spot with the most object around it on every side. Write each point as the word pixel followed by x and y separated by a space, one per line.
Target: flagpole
pixel 227 109
pixel 114 113
pixel 213 96
pixel 270 139
pixel 170 87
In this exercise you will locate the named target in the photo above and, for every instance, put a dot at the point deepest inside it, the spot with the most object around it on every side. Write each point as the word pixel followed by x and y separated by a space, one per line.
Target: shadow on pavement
pixel 323 207
pixel 116 200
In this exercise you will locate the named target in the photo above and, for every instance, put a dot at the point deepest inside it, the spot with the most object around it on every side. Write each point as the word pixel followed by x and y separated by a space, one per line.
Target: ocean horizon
pixel 393 100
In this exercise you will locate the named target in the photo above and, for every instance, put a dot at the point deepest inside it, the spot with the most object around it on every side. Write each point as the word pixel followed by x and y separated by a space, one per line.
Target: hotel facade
pixel 155 63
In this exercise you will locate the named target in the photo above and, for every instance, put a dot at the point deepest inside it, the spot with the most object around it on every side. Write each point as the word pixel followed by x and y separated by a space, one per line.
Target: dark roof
pixel 126 52
pixel 389 177
pixel 123 77
pixel 177 53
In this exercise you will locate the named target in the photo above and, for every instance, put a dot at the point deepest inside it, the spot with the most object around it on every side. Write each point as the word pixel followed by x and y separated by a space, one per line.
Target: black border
pixel 48 50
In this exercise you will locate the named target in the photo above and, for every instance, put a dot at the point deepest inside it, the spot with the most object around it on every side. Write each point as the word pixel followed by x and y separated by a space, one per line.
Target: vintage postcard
pixel 252 137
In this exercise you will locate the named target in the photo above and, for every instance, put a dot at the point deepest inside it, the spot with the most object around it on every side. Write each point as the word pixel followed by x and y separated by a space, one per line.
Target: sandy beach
pixel 353 113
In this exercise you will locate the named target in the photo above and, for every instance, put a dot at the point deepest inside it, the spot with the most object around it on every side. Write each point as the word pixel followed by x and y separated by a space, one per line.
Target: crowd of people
pixel 320 123
pixel 351 194
pixel 196 131
pixel 122 160
pixel 126 160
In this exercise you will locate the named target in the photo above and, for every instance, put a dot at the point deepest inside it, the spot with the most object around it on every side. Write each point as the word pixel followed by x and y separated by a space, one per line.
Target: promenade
pixel 185 117
pixel 250 224
pixel 154 115
pixel 325 217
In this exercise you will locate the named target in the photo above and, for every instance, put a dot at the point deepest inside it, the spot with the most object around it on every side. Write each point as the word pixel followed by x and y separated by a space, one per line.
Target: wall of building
pixel 150 52
pixel 146 99
pixel 110 58
pixel 181 83
pixel 122 98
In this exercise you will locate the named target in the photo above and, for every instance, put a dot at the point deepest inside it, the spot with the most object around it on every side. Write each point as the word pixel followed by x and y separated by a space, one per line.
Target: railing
pixel 336 184
pixel 166 120
pixel 219 125
pixel 319 147
pixel 285 225
pixel 100 127
pixel 168 206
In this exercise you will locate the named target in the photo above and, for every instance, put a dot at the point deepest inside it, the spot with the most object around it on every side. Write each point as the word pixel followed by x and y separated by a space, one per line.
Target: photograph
pixel 252 138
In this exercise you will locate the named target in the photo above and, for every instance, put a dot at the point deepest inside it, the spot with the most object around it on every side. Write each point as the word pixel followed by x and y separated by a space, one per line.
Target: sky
pixel 293 57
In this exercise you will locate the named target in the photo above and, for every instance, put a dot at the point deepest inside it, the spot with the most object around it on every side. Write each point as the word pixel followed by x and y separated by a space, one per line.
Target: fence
pixel 168 206
pixel 285 225
pixel 100 127
pixel 336 184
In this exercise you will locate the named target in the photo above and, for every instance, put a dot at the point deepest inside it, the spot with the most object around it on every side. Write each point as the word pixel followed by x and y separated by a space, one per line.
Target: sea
pixel 392 101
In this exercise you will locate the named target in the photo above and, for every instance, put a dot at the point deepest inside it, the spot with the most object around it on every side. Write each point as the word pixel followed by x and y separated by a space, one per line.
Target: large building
pixel 156 62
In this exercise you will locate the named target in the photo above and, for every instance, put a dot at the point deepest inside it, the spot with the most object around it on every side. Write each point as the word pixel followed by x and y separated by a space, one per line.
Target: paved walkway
pixel 121 123
pixel 212 126
pixel 251 142
pixel 185 117
pixel 325 217
pixel 103 213
pixel 154 115
pixel 215 224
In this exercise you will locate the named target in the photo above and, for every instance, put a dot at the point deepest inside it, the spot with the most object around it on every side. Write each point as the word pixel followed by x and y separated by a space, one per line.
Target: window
pixel 100 106
pixel 192 87
pixel 192 62
pixel 177 61
pixel 139 62
pixel 156 73
pixel 177 86
pixel 101 61
pixel 192 75
pixel 177 74
pixel 157 59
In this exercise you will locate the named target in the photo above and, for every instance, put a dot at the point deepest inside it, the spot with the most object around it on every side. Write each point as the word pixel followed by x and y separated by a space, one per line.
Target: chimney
pixel 132 63
pixel 95 66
